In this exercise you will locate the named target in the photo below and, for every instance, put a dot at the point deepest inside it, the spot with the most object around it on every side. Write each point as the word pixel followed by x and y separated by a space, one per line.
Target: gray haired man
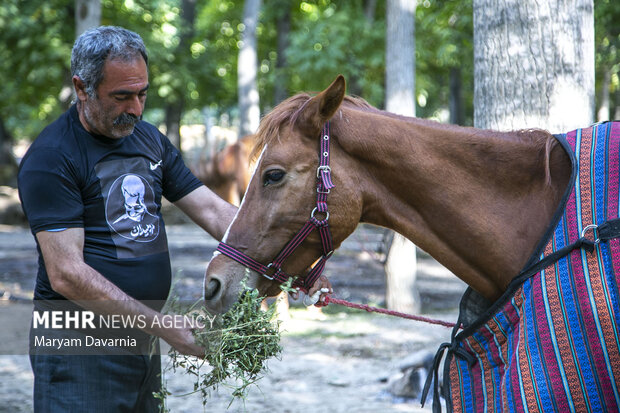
pixel 71 184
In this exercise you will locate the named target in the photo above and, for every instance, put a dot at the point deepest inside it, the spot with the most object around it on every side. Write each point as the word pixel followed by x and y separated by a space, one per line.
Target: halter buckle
pixel 270 265
pixel 325 168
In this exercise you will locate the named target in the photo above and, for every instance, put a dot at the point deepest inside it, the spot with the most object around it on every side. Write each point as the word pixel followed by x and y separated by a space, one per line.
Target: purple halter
pixel 273 270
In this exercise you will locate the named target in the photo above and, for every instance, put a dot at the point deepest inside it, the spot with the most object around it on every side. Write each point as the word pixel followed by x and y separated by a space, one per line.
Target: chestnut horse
pixel 536 335
pixel 228 172
pixel 477 201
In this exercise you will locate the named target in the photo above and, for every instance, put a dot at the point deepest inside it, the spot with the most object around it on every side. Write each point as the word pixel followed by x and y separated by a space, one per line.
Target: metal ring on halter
pixel 316 209
pixel 594 229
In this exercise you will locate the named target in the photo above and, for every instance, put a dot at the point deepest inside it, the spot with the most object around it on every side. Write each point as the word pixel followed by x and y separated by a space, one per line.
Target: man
pixel 91 187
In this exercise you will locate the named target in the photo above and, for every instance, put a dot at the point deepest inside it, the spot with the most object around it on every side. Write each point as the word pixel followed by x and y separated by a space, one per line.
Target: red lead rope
pixel 388 312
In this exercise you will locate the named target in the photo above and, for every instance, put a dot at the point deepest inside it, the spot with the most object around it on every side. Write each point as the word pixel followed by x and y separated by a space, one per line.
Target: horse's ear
pixel 322 107
pixel 331 98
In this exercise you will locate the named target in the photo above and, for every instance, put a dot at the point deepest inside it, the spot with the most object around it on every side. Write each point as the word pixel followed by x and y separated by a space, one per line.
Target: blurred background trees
pixel 199 75
pixel 194 47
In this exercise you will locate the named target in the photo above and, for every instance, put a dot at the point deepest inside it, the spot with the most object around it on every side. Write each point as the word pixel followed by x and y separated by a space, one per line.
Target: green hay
pixel 237 347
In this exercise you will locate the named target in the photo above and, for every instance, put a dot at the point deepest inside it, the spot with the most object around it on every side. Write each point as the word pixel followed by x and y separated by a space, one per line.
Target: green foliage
pixel 335 37
pixel 607 42
pixel 190 61
pixel 33 62
pixel 195 62
pixel 237 348
pixel 218 33
pixel 444 41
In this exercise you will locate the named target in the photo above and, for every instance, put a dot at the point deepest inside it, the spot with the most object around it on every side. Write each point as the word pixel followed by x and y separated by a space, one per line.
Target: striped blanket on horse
pixel 552 342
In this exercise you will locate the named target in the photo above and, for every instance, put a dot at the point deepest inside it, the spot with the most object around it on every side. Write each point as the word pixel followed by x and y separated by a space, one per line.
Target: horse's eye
pixel 272 177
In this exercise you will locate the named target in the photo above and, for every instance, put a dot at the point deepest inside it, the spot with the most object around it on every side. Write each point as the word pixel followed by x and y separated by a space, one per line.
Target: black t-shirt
pixel 112 188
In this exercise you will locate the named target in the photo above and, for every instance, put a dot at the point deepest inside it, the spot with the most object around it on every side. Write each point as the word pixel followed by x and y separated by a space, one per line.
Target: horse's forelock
pixel 270 125
pixel 288 112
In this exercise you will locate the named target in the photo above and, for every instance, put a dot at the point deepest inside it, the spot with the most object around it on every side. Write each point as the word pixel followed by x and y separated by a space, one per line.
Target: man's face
pixel 120 99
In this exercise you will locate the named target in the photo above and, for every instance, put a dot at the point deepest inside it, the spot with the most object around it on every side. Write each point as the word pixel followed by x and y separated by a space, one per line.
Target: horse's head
pixel 282 197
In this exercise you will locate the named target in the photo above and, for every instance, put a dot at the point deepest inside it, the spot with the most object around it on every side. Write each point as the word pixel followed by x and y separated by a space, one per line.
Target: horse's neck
pixel 478 201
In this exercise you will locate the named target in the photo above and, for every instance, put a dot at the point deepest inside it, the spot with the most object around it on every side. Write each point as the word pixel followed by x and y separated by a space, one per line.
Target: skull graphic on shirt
pixel 132 204
pixel 133 193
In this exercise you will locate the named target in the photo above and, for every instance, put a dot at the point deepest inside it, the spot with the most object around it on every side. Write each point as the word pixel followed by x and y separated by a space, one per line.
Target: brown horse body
pixel 478 201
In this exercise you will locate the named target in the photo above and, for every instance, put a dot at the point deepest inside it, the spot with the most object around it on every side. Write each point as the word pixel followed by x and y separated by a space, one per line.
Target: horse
pixel 485 204
pixel 228 172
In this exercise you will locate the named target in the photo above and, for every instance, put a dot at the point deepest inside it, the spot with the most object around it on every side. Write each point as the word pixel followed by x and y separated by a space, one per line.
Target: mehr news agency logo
pixel 58 320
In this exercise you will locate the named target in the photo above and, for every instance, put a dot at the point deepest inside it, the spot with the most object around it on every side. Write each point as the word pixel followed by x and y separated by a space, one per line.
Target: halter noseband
pixel 273 270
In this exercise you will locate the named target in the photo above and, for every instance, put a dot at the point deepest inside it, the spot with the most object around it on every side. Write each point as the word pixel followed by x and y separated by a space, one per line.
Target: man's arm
pixel 208 210
pixel 71 277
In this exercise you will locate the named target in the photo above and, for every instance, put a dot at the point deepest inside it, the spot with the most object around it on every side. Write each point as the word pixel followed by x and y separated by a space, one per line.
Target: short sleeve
pixel 49 191
pixel 178 179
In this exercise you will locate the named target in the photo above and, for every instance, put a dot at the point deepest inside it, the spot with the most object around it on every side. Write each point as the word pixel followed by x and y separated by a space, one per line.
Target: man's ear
pixel 80 88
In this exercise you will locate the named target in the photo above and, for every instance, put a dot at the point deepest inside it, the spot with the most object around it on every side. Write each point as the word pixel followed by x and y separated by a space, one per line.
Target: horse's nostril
pixel 212 288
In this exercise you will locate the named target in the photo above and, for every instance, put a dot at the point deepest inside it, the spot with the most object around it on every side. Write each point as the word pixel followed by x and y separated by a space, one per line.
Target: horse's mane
pixel 288 112
pixel 546 143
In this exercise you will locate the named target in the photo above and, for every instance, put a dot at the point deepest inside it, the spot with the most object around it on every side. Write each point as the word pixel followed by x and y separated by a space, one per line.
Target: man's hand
pixel 321 289
pixel 183 341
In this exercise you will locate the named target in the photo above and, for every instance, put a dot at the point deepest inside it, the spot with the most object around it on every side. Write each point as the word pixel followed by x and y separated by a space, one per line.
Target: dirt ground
pixel 339 360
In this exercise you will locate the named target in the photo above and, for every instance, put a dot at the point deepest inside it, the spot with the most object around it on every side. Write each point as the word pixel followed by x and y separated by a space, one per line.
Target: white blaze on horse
pixel 480 202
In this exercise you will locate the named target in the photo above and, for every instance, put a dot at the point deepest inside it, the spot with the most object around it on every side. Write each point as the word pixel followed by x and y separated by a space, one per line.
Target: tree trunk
pixel 533 64
pixel 370 7
pixel 87 15
pixel 401 275
pixel 603 110
pixel 206 152
pixel 400 57
pixel 8 165
pixel 401 263
pixel 456 100
pixel 249 111
pixel 354 84
pixel 284 28
pixel 174 111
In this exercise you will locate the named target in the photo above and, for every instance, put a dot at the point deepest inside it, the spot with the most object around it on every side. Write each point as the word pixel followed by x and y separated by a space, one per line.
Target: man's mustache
pixel 126 119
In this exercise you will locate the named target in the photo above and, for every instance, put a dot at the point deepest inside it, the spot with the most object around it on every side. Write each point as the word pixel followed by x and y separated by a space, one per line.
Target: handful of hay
pixel 237 346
